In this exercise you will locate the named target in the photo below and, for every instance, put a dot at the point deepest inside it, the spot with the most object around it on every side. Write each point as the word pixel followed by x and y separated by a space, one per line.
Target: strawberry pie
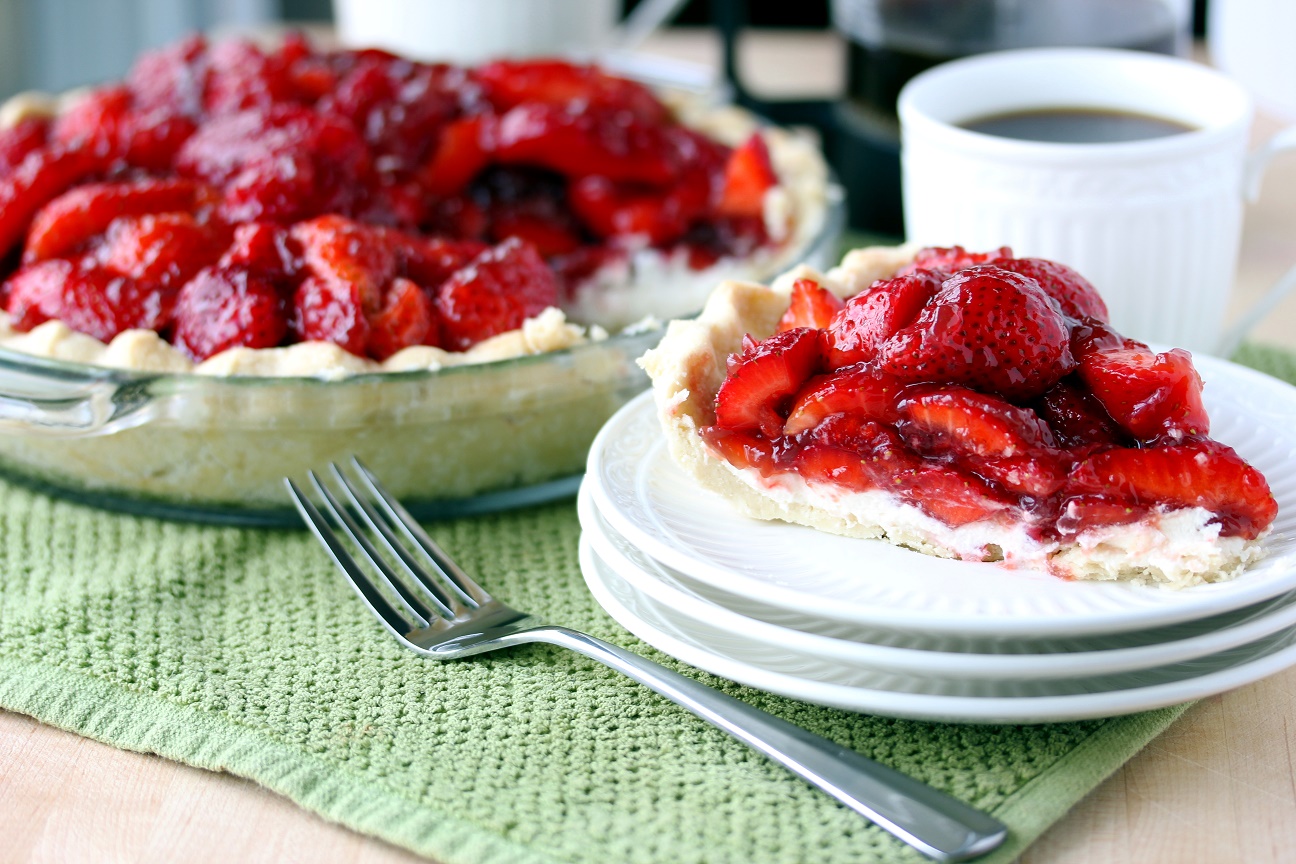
pixel 297 211
pixel 974 406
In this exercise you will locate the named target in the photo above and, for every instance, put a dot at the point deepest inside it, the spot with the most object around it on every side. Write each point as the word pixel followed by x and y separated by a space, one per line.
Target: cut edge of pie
pixel 1175 548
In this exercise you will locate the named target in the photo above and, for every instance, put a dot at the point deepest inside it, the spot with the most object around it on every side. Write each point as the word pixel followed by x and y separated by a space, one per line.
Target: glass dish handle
pixel 69 404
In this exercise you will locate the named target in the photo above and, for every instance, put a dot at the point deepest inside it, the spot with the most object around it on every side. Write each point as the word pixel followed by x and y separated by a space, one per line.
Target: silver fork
pixel 448 616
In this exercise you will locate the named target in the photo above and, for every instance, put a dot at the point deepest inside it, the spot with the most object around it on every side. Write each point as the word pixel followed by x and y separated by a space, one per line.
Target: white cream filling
pixel 1175 548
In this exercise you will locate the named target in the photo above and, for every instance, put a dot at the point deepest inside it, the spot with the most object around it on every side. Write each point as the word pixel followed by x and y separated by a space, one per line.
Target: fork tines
pixel 424 587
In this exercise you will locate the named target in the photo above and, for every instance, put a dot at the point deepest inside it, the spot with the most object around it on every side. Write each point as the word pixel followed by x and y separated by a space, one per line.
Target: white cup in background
pixel 473 31
pixel 1154 224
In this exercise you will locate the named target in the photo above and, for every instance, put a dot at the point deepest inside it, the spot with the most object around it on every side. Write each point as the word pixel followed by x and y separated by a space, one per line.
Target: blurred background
pixel 57 44
pixel 833 65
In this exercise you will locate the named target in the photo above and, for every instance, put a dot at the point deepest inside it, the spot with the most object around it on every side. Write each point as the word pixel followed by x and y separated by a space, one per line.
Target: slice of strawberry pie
pixel 974 406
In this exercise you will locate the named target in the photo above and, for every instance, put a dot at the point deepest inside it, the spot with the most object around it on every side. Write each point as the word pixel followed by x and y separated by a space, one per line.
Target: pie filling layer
pixel 976 406
pixel 228 198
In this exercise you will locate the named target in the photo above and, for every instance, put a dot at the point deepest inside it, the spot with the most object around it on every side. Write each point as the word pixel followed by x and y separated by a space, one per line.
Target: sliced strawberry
pixel 459 216
pixel 508 83
pixel 835 467
pixel 858 433
pixel 876 314
pixel 1089 335
pixel 110 123
pixel 812 305
pixel 748 175
pixel 461 153
pixel 399 107
pixel 171 78
pixel 344 252
pixel 999 441
pixel 1075 296
pixel 955 419
pixel 763 381
pixel 854 453
pixel 950 259
pixel 1083 512
pixel 986 328
pixel 954 497
pixel 859 455
pixel 20 139
pixel 1203 474
pixel 495 293
pixel 1151 396
pixel 95 123
pixel 240 76
pixel 330 311
pixel 312 78
pixel 283 163
pixel 407 318
pixel 1077 418
pixel 429 261
pixel 34 294
pixel 151 140
pixel 549 236
pixel 612 210
pixel 227 308
pixel 858 390
pixel 742 449
pixel 164 249
pixel 396 201
pixel 93 300
pixel 42 175
pixel 580 141
pixel 74 217
pixel 265 248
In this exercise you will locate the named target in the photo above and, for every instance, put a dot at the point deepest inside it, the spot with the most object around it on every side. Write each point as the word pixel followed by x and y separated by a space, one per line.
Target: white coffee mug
pixel 1154 224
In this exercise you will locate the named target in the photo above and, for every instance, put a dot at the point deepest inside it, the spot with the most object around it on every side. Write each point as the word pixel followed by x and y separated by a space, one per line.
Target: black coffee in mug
pixel 1076 126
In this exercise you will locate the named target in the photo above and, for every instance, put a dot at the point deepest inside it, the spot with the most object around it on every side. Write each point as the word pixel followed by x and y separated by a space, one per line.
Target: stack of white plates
pixel 870 627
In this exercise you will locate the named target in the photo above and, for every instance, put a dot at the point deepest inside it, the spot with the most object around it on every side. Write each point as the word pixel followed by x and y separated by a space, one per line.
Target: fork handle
pixel 935 823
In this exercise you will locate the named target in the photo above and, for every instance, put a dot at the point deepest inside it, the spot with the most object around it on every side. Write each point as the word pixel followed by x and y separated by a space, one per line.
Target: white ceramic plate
pixel 762 666
pixel 647 499
pixel 685 604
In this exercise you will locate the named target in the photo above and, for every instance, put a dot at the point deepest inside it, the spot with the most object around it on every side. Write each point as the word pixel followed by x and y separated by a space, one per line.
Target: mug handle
pixel 1256 165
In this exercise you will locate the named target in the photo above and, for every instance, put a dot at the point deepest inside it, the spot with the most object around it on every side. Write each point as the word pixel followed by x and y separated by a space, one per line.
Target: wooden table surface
pixel 1219 786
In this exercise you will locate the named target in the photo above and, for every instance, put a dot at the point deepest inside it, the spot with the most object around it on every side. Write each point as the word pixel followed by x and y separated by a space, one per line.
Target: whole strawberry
pixel 986 328
pixel 224 308
pixel 1074 293
pixel 494 293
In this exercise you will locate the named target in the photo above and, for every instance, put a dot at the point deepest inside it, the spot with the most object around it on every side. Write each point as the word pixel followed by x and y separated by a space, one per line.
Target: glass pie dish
pixel 449 442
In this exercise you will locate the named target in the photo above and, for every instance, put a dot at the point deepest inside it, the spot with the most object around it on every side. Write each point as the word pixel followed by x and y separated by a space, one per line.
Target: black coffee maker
pixel 890 41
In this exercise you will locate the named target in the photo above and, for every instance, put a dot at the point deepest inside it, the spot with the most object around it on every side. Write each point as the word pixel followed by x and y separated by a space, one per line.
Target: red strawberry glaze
pixel 385 203
pixel 812 306
pixel 983 391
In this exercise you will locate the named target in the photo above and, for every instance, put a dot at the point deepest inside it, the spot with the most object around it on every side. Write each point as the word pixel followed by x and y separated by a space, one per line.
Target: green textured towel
pixel 244 651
